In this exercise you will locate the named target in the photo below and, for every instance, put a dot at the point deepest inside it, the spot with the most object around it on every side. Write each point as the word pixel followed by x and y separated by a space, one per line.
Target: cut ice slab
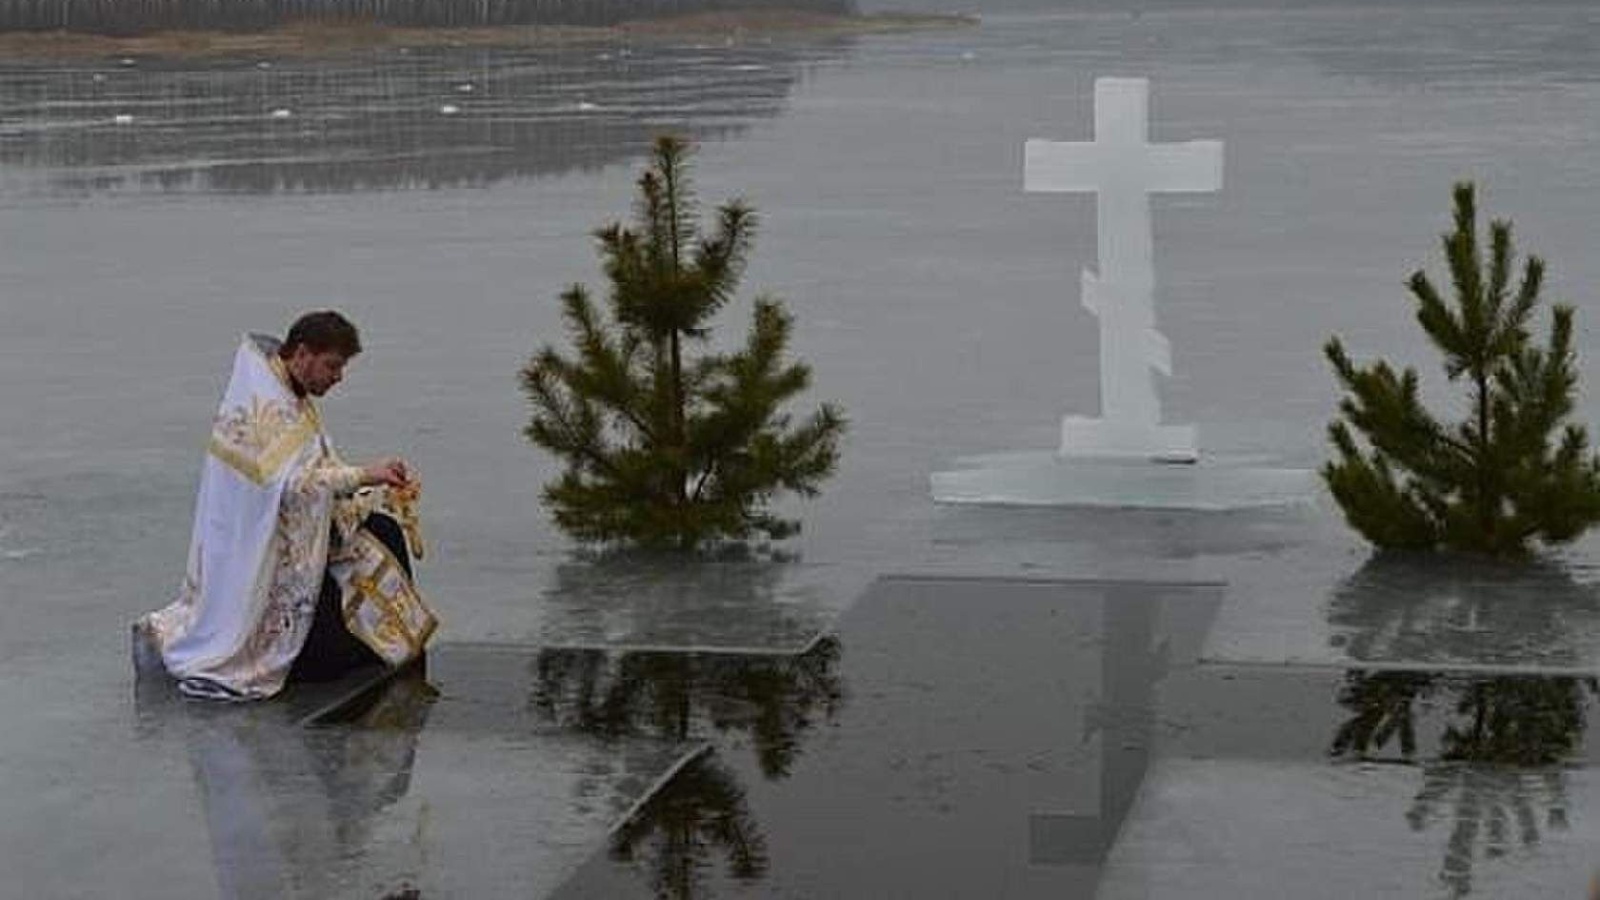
pixel 1048 479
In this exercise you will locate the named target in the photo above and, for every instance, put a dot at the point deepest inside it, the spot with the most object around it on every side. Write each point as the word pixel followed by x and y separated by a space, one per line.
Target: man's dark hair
pixel 323 331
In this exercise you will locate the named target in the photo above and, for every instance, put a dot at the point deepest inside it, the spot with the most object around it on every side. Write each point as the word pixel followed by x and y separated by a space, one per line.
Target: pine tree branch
pixel 1461 252
pixel 1440 324
pixel 1499 263
pixel 720 260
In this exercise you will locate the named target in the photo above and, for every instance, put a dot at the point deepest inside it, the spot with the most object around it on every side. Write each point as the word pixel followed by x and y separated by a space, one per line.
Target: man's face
pixel 317 370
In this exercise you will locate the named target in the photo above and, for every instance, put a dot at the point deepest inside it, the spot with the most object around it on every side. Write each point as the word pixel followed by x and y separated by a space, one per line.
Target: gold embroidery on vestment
pixel 256 441
pixel 383 609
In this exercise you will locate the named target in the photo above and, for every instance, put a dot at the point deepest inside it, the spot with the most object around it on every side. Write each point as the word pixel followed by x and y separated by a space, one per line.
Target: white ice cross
pixel 1122 168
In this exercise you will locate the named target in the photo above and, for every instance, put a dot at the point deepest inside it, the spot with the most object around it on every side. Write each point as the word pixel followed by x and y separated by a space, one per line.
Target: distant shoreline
pixel 319 39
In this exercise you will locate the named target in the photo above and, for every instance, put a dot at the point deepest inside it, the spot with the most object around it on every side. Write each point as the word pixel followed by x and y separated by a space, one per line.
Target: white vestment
pixel 271 490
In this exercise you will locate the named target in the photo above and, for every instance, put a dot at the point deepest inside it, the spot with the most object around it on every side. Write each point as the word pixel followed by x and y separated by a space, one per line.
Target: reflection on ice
pixel 134 18
pixel 1492 745
pixel 702 811
pixel 294 811
pixel 1519 720
pixel 1335 832
pixel 996 732
pixel 644 599
pixel 1425 612
pixel 446 785
pixel 773 698
pixel 416 120
pixel 1493 813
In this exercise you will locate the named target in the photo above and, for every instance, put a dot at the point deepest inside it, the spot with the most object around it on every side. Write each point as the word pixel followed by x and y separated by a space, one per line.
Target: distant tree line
pixel 129 17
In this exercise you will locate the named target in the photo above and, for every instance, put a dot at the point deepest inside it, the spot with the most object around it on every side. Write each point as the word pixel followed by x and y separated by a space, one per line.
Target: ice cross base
pixel 1081 436
pixel 1043 478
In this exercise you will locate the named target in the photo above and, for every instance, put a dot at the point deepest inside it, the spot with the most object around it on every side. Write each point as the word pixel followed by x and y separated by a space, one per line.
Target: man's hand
pixel 391 472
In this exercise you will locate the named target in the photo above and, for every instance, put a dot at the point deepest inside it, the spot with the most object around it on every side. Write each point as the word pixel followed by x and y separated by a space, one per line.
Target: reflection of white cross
pixel 1123 168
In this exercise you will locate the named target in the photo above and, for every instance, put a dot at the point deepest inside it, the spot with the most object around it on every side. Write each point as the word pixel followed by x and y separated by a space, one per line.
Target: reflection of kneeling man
pixel 297 569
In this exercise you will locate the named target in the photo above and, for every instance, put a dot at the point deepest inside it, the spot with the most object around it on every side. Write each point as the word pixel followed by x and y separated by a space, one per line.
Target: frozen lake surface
pixel 151 212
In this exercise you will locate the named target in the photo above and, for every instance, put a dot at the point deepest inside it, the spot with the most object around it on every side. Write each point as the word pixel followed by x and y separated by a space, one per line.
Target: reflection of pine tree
pixel 1426 608
pixel 1510 720
pixel 700 810
pixel 663 695
pixel 1501 723
pixel 1519 721
pixel 1493 811
pixel 784 701
pixel 1383 704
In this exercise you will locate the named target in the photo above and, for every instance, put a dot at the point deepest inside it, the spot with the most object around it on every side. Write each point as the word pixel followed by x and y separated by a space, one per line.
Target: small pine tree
pixel 1499 480
pixel 661 449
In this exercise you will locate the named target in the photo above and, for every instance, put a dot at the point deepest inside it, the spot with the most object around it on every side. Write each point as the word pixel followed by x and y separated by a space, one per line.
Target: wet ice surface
pixel 1447 831
pixel 392 794
pixel 1406 613
pixel 1037 739
pixel 936 303
pixel 942 757
pixel 395 118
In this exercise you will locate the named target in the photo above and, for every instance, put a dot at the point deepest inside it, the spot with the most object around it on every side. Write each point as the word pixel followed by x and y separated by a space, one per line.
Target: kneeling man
pixel 298 567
